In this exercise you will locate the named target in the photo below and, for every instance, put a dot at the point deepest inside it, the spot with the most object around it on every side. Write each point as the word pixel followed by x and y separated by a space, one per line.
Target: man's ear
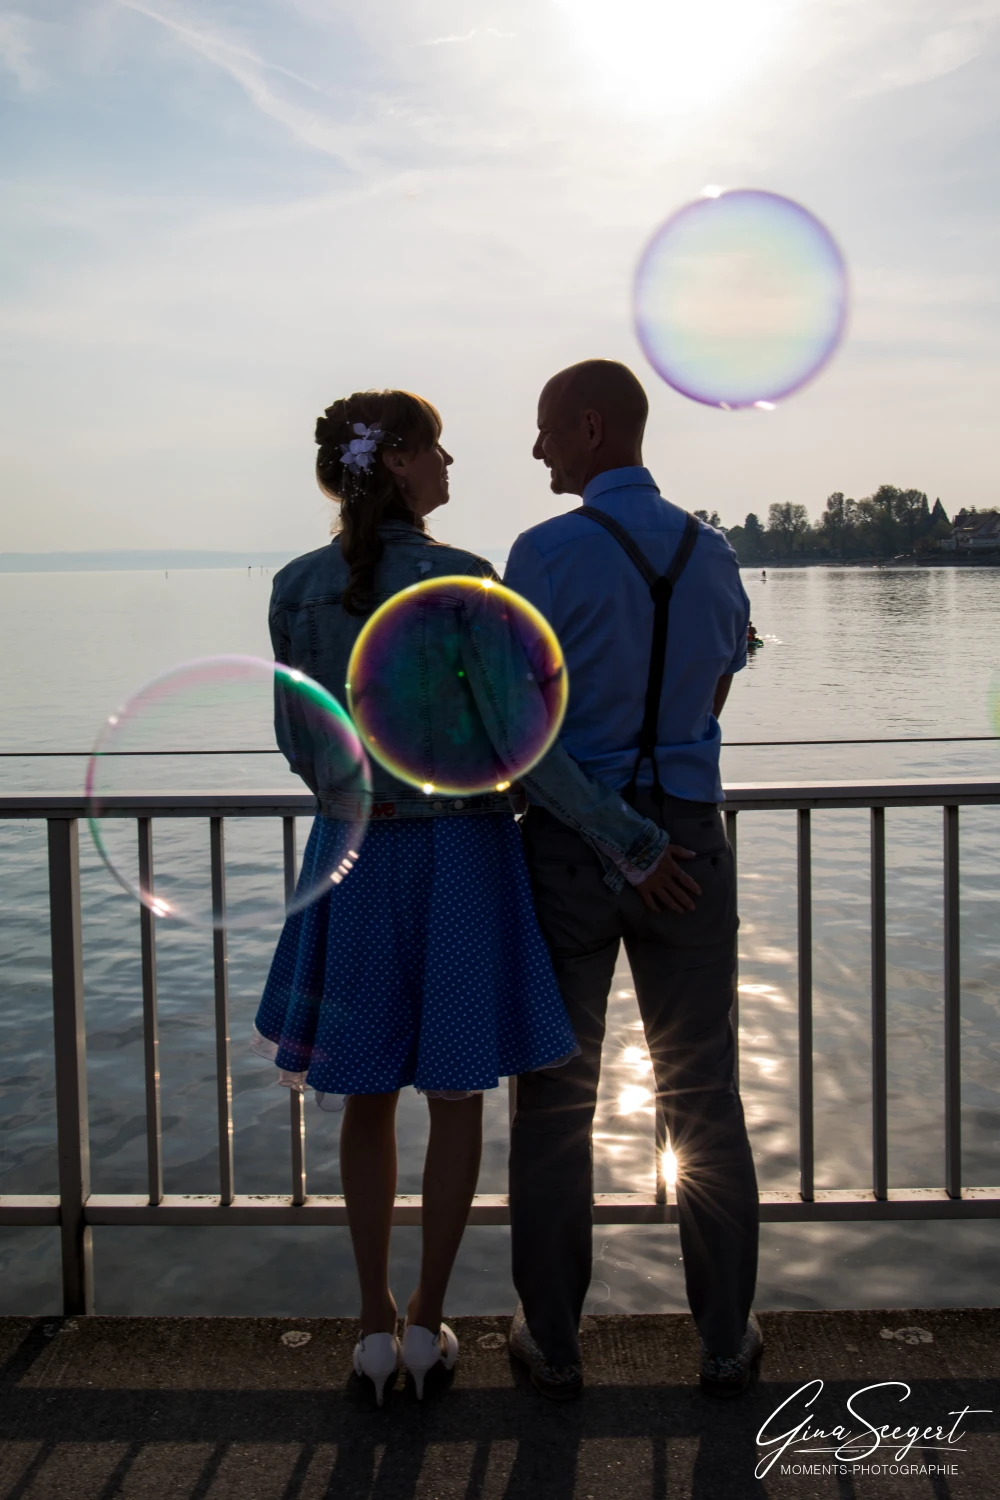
pixel 593 426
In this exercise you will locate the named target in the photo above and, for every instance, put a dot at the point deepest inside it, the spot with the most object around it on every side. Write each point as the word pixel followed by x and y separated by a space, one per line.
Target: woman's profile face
pixel 422 477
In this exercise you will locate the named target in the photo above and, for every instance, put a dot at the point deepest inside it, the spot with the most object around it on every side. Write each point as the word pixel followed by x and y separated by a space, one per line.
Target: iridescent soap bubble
pixel 155 744
pixel 457 685
pixel 740 299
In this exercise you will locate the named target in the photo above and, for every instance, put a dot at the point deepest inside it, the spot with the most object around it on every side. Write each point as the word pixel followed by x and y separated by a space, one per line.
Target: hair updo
pixel 370 496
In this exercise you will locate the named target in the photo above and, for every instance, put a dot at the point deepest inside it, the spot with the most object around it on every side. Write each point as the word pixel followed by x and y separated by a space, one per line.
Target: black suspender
pixel 661 587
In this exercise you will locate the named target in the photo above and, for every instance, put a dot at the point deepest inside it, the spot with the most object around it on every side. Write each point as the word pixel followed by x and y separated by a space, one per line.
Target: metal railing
pixel 76 1210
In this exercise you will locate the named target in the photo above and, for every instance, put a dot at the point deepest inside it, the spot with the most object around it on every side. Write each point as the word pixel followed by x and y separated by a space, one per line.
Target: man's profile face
pixel 561 443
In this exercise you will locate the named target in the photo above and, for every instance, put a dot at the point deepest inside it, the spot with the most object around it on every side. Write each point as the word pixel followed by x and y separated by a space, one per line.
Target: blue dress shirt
pixel 581 580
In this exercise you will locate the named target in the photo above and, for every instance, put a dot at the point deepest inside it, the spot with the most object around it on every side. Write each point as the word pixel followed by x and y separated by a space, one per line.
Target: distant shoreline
pixel 136 561
pixel 181 560
pixel 161 561
pixel 885 564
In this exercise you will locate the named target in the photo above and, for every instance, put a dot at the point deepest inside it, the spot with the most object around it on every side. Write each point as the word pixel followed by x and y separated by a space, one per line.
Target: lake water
pixel 850 653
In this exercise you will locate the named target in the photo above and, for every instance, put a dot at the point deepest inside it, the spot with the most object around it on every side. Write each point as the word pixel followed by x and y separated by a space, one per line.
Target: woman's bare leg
pixel 451 1171
pixel 368 1173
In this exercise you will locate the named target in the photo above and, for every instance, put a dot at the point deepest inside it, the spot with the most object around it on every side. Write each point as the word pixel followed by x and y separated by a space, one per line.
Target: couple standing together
pixel 463 948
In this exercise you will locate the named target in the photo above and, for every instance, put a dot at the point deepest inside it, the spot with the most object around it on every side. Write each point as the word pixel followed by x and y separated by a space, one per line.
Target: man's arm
pixel 722 687
pixel 642 851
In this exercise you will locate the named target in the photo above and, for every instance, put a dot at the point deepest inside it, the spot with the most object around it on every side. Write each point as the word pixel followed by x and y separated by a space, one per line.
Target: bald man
pixel 650 663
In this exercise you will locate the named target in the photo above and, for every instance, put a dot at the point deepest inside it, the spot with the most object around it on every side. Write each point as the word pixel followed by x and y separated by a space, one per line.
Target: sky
pixel 219 217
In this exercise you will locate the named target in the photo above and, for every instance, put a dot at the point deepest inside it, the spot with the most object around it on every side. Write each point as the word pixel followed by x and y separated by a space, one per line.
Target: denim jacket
pixel 311 631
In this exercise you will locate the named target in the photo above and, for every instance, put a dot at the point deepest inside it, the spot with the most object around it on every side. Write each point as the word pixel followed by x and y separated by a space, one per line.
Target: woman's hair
pixel 367 492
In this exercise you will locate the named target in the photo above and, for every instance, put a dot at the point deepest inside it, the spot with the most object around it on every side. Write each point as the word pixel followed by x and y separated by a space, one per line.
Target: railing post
pixel 288 837
pixel 298 1131
pixel 70 1065
pixel 806 1138
pixel 223 1075
pixel 880 1120
pixel 150 1019
pixel 660 1137
pixel 296 1103
pixel 735 1013
pixel 952 1010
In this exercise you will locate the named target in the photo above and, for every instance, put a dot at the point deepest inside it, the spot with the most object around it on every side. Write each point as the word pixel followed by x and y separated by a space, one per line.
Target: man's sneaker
pixel 558 1382
pixel 729 1376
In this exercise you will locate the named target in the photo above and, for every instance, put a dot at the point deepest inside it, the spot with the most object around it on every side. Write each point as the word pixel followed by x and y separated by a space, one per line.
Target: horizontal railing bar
pixel 906 739
pixel 761 796
pixel 740 797
pixel 29 1208
pixel 171 805
pixel 776 1206
pixel 89 754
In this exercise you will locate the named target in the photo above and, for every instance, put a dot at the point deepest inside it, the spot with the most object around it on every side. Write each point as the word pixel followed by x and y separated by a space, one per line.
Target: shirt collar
pixel 617 479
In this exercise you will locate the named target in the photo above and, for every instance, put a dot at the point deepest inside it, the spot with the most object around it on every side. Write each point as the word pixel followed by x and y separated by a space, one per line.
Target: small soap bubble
pixel 740 298
pixel 156 744
pixel 457 686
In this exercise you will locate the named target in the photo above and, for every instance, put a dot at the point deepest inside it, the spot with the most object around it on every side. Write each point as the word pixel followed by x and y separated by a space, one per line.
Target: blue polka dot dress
pixel 426 966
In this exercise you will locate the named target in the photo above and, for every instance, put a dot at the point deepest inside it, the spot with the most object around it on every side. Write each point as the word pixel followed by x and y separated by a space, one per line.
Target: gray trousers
pixel 684 968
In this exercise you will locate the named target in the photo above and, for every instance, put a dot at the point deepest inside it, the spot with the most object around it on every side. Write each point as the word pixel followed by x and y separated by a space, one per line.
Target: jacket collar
pixel 401 530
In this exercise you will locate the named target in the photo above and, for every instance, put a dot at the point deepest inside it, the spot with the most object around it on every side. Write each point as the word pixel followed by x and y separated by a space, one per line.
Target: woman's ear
pixel 394 461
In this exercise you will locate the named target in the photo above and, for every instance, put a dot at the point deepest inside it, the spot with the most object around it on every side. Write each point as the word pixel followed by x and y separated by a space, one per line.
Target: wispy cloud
pixel 214 45
pixel 16 50
pixel 884 48
pixel 248 69
pixel 443 41
pixel 938 54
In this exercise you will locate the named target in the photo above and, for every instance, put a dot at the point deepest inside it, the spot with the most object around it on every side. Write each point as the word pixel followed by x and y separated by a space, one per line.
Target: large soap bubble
pixel 740 299
pixel 457 685
pixel 207 727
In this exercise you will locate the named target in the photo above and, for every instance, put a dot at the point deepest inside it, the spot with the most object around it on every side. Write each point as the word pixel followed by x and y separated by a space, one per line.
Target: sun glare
pixel 664 55
pixel 669 1168
pixel 633 1097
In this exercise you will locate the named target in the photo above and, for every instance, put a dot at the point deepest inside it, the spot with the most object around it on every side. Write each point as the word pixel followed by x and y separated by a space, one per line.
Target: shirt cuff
pixel 643 857
pixel 648 847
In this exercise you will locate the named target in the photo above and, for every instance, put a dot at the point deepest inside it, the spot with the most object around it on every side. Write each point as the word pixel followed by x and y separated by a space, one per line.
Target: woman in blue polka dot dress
pixel 425 966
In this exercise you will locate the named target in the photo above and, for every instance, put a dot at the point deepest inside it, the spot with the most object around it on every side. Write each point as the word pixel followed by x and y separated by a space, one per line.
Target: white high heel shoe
pixel 422 1350
pixel 377 1356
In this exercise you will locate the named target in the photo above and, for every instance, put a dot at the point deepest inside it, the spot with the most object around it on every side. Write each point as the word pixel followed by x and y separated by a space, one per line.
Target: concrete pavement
pixel 212 1408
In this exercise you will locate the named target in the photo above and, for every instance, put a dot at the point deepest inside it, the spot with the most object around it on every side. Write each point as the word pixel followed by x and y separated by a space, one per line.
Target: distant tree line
pixel 889 523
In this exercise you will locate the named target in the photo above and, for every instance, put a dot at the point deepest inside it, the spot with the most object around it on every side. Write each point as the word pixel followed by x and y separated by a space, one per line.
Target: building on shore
pixel 979 532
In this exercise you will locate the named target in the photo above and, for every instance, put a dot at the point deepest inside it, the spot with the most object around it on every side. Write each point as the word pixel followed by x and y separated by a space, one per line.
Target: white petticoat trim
pixel 334 1103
